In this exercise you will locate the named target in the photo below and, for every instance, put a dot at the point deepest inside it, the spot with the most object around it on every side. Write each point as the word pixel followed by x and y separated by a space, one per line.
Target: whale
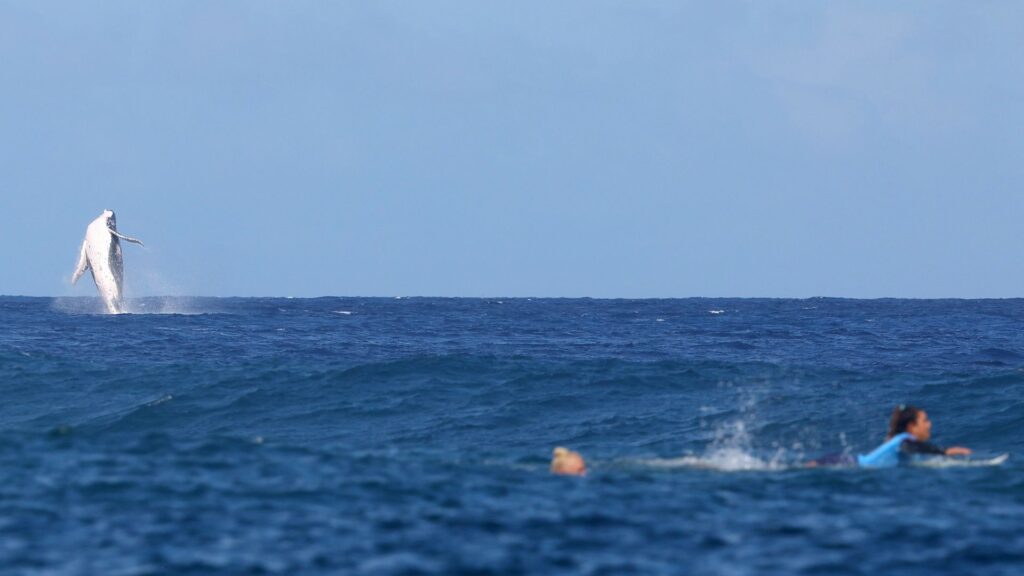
pixel 101 253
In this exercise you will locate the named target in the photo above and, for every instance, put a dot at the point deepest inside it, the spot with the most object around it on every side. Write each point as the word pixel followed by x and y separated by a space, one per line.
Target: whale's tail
pixel 82 266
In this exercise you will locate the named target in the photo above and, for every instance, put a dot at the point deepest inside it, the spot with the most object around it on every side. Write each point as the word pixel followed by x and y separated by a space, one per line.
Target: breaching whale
pixel 101 253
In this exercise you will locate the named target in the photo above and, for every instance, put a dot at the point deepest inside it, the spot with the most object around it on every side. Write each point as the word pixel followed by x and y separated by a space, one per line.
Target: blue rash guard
pixel 888 454
pixel 885 456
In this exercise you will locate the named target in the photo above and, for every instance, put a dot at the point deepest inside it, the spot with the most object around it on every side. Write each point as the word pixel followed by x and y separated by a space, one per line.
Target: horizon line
pixel 437 297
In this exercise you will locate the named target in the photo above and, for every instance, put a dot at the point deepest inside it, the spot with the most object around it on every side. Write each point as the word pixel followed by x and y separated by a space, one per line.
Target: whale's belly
pixel 104 253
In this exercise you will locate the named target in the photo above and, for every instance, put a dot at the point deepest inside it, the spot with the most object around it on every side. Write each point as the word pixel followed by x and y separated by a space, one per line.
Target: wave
pixel 523 402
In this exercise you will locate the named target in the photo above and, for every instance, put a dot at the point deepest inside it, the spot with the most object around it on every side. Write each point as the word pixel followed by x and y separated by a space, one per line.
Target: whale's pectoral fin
pixel 82 266
pixel 125 238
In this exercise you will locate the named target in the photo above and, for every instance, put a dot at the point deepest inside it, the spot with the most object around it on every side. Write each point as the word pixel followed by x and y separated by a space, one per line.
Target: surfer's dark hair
pixel 902 416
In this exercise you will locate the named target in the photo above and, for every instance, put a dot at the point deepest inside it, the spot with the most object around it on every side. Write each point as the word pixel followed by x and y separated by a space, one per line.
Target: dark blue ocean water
pixel 412 436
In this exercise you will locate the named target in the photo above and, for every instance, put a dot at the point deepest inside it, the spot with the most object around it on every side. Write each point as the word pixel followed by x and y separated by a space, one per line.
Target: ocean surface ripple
pixel 412 436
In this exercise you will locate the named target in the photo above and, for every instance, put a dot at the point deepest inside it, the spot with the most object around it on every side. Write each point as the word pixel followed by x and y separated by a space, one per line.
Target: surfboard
pixel 954 462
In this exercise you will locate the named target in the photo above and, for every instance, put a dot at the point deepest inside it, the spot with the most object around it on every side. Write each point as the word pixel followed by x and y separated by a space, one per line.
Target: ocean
pixel 413 436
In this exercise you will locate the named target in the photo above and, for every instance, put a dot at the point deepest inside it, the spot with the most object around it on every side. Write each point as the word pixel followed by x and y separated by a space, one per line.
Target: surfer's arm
pixel 82 266
pixel 917 447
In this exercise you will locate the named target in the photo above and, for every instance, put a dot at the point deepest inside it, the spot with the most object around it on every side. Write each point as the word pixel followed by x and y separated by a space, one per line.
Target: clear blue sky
pixel 591 148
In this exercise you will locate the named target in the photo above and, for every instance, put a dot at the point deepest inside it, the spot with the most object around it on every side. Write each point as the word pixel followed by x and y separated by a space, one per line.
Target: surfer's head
pixel 567 462
pixel 111 218
pixel 912 420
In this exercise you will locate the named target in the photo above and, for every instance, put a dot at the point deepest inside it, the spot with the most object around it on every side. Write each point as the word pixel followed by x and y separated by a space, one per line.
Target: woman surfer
pixel 909 432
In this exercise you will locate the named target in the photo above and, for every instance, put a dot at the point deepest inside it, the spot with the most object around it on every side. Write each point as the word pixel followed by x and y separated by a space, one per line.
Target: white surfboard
pixel 953 462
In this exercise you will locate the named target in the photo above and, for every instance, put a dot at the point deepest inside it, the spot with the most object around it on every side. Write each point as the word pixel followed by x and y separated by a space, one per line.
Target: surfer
pixel 909 432
pixel 566 462
pixel 914 422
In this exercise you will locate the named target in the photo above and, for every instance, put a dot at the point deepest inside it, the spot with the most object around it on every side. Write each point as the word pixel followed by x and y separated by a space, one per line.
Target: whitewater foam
pixel 726 460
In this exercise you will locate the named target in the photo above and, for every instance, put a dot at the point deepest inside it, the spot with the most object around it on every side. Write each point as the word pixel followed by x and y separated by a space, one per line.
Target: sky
pixel 532 148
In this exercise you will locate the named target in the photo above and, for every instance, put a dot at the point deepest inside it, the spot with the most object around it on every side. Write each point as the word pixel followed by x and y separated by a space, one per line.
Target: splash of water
pixel 182 305
pixel 147 291
pixel 78 305
pixel 730 451
pixel 732 446
pixel 165 305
